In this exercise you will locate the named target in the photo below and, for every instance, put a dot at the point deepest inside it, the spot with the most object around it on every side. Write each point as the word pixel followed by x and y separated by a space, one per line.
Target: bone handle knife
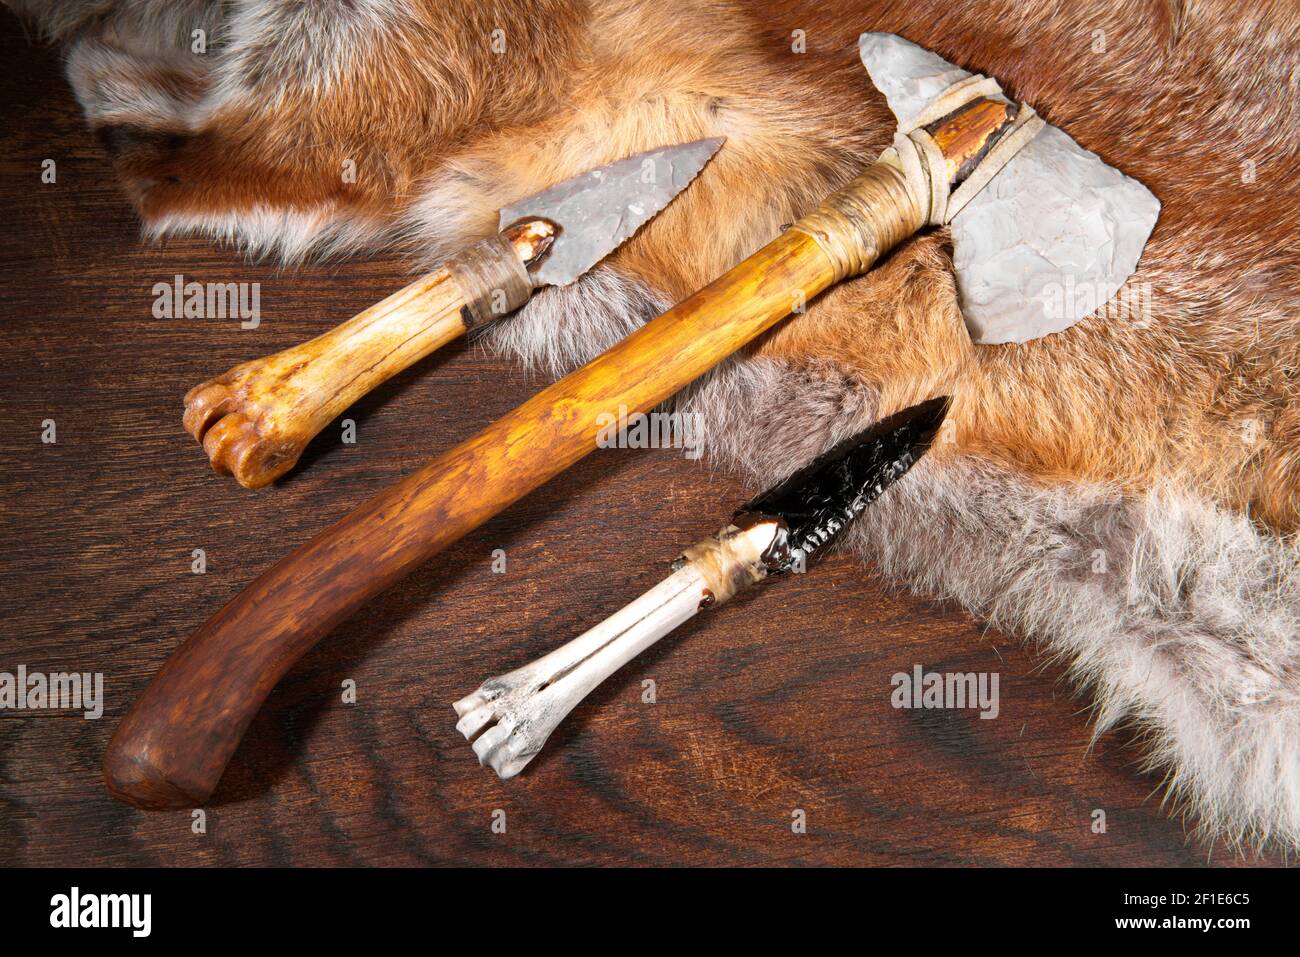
pixel 255 420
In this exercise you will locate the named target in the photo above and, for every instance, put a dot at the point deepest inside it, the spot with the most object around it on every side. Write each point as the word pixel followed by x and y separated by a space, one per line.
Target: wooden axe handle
pixel 255 420
pixel 172 747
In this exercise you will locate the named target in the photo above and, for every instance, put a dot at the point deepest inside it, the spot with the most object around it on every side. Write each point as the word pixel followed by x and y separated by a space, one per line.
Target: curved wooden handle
pixel 255 420
pixel 172 747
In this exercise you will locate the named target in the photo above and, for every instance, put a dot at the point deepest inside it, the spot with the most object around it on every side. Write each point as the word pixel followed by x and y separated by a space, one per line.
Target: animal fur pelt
pixel 1125 493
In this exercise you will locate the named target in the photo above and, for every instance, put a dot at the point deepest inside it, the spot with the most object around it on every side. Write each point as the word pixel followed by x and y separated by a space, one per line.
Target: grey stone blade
pixel 910 76
pixel 1049 241
pixel 1053 237
pixel 597 210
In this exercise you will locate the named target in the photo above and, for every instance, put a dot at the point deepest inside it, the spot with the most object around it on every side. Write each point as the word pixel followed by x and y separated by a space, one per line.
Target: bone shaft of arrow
pixel 589 659
pixel 172 747
pixel 510 717
pixel 636 627
pixel 534 699
pixel 540 695
pixel 595 655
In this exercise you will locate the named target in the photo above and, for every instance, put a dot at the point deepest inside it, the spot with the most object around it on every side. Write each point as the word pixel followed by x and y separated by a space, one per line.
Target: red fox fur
pixel 1168 442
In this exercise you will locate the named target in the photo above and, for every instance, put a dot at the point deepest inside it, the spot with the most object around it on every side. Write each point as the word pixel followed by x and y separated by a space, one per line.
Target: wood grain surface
pixel 779 701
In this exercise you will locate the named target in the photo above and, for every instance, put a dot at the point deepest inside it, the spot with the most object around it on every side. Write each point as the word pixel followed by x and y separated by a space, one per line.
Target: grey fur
pixel 1175 614
pixel 562 327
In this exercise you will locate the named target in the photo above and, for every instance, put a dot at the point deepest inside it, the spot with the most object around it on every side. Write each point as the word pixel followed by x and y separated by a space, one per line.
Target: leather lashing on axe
pixel 877 214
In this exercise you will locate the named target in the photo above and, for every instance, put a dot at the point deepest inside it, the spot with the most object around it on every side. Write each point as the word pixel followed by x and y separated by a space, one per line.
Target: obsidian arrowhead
pixel 818 502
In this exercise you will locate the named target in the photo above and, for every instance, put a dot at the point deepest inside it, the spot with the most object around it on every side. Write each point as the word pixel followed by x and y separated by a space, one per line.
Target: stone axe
pixel 255 420
pixel 1027 206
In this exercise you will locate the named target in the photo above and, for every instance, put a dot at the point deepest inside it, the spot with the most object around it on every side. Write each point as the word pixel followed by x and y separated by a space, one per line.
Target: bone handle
pixel 174 744
pixel 500 711
pixel 255 420
pixel 509 718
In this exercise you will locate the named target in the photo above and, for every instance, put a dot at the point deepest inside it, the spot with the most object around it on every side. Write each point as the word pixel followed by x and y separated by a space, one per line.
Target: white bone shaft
pixel 529 703
pixel 629 631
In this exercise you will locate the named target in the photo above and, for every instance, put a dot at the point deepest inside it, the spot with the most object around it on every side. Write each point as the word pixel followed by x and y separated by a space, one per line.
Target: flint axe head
pixel 1050 239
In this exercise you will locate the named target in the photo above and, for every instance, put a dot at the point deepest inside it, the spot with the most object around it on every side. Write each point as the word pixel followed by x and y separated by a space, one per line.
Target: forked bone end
pixel 504 738
pixel 229 430
pixel 509 718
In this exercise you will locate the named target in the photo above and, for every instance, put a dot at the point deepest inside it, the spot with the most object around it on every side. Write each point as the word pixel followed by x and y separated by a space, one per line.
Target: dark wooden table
pixel 776 703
